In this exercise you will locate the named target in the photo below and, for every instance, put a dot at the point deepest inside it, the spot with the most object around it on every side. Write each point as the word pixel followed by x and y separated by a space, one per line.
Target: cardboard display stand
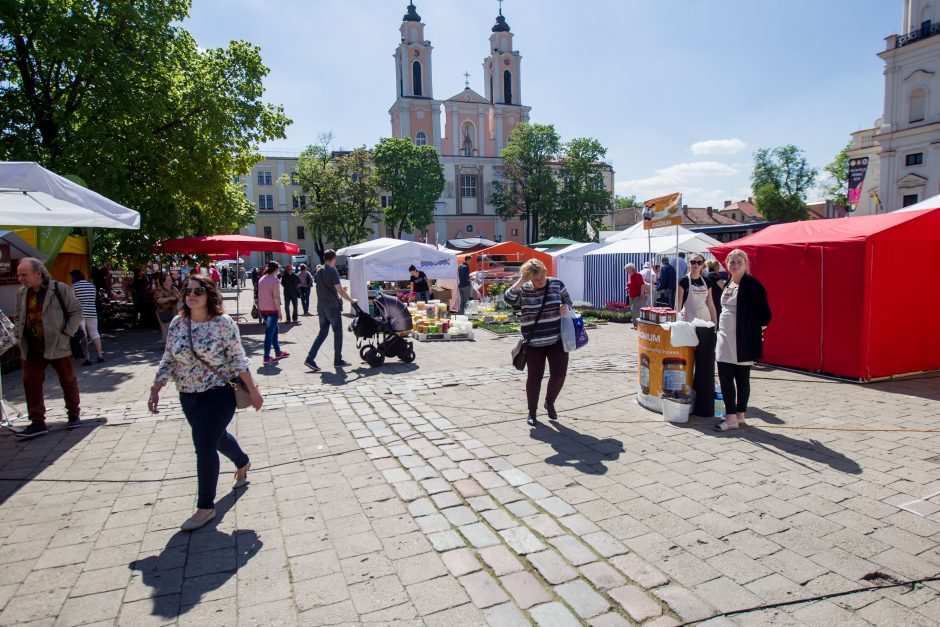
pixel 664 369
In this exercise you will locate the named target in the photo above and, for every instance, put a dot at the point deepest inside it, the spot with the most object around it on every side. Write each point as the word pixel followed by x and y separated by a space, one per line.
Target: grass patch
pixel 501 328
pixel 603 314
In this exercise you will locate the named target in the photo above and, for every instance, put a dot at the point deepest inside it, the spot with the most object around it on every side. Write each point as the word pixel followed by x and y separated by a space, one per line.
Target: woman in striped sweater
pixel 544 339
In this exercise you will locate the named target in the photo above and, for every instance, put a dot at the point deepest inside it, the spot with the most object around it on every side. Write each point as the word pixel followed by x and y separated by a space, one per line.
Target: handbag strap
pixel 65 313
pixel 541 309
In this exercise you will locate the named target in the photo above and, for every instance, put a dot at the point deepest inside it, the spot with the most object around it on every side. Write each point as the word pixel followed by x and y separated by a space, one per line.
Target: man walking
pixel 47 316
pixel 463 284
pixel 291 284
pixel 666 283
pixel 306 284
pixel 682 266
pixel 329 308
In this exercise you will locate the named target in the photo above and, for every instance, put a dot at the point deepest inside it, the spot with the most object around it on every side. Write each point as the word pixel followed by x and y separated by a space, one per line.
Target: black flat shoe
pixel 531 421
pixel 552 414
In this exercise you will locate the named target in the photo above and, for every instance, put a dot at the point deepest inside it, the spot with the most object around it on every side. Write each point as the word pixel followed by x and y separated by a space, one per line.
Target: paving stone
pixel 501 560
pixel 640 571
pixel 579 524
pixel 418 568
pixel 544 525
pixel 611 620
pixel 605 544
pixel 447 499
pixel 468 488
pixel 602 575
pixel 460 562
pixel 445 540
pixel 484 591
pixel 499 519
pixel 521 540
pixel 515 477
pixel 573 550
pixel 535 491
pixel 422 507
pixel 460 515
pixel 522 508
pixel 525 589
pixel 636 603
pixel 687 605
pixel 553 615
pixel 466 614
pixel 479 535
pixel 556 507
pixel 585 602
pixel 432 523
pixel 505 615
pixel 482 503
pixel 506 494
pixel 436 595
pixel 552 566
pixel 377 594
pixel 434 486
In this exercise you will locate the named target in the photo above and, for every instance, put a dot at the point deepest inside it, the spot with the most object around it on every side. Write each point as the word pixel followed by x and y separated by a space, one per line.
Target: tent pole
pixel 675 294
pixel 649 248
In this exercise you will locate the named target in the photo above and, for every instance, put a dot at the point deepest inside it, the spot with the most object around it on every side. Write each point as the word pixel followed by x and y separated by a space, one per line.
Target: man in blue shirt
pixel 329 308
pixel 666 284
pixel 463 284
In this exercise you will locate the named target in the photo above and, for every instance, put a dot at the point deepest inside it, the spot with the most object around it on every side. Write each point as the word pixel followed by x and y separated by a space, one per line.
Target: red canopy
pixel 854 297
pixel 205 244
pixel 510 254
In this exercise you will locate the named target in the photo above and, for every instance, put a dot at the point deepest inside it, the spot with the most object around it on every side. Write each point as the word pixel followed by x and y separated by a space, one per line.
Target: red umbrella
pixel 225 244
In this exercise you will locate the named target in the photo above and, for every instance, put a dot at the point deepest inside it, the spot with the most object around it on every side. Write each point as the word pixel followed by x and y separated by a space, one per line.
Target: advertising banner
pixel 662 211
pixel 664 370
pixel 857 169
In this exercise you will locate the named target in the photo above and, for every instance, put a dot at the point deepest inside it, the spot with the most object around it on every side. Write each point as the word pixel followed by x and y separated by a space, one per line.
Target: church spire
pixel 412 14
pixel 501 25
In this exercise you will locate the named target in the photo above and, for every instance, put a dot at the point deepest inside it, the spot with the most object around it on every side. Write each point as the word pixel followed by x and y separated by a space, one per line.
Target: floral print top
pixel 216 340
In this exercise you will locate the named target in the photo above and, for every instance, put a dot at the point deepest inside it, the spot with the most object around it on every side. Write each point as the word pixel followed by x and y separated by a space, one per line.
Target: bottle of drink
pixel 719 403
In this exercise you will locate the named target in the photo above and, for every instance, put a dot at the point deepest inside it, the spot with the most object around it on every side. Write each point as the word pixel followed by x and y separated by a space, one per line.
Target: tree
pixel 780 180
pixel 118 94
pixel 528 186
pixel 837 191
pixel 414 177
pixel 583 197
pixel 339 197
pixel 627 202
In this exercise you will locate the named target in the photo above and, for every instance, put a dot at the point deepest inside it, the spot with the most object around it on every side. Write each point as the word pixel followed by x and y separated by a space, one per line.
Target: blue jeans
pixel 208 414
pixel 329 318
pixel 305 299
pixel 422 297
pixel 270 335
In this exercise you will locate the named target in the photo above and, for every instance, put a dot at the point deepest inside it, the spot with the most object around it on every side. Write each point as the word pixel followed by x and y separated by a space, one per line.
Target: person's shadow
pixel 207 558
pixel 578 450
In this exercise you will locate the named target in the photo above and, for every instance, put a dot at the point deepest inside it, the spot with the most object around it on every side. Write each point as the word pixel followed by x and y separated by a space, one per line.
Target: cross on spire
pixel 466 80
pixel 500 6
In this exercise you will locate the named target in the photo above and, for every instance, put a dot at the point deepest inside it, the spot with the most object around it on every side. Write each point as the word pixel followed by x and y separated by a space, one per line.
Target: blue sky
pixel 681 92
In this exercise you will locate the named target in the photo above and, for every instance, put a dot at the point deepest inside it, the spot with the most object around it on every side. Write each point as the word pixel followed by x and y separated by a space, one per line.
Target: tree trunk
pixel 319 248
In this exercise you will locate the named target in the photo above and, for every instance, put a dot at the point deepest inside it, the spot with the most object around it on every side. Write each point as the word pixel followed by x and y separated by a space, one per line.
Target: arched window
pixel 507 86
pixel 917 106
pixel 416 78
pixel 421 139
pixel 466 139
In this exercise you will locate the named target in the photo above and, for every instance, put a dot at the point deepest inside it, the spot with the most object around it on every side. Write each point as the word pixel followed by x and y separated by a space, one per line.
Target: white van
pixel 296 260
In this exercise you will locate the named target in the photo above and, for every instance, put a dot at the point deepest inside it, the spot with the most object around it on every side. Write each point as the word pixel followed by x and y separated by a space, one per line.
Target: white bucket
pixel 676 412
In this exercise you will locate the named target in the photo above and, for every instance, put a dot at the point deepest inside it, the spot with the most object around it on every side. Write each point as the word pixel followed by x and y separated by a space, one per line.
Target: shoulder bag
pixel 518 353
pixel 78 340
pixel 242 397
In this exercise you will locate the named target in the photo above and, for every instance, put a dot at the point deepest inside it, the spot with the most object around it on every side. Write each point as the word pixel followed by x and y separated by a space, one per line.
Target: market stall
pixel 843 290
pixel 391 264
pixel 501 263
pixel 569 267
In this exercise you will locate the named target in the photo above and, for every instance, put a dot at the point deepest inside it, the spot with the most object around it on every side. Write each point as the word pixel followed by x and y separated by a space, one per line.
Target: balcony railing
pixel 921 33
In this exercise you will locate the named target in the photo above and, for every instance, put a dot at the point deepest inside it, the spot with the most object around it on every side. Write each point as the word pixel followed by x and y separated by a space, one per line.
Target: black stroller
pixel 393 316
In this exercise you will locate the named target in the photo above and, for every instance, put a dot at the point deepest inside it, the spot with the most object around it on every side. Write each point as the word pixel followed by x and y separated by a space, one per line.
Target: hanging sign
pixel 857 169
pixel 662 211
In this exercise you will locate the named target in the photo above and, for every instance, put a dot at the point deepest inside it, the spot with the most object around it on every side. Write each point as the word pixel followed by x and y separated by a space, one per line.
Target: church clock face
pixel 417 53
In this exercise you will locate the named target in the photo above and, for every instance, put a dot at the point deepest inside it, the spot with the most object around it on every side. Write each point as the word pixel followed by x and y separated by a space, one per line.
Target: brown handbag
pixel 242 396
pixel 519 351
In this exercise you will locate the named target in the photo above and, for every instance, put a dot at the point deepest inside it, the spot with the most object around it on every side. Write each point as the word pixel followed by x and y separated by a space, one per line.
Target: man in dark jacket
pixel 463 283
pixel 666 283
pixel 291 284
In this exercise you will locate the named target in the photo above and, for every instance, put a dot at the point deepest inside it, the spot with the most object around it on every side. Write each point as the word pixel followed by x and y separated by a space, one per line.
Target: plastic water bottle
pixel 719 403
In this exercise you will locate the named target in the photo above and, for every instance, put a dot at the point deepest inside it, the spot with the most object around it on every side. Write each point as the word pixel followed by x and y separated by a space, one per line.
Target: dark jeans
pixel 465 293
pixel 34 377
pixel 290 302
pixel 535 358
pixel 208 414
pixel 329 319
pixel 270 335
pixel 730 377
pixel 305 299
pixel 422 297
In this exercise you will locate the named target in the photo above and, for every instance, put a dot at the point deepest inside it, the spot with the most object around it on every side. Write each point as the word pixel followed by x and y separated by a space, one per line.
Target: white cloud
pixel 718 147
pixel 678 176
pixel 692 179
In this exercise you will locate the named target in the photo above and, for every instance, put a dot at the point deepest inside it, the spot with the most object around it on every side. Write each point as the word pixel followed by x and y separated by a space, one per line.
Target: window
pixel 917 106
pixel 468 186
pixel 389 232
pixel 267 232
pixel 507 87
pixel 264 177
pixel 300 232
pixel 515 232
pixel 299 202
pixel 416 77
pixel 355 177
pixel 467 133
pixel 294 179
pixel 386 201
pixel 266 202
pixel 236 179
pixel 421 139
pixel 909 199
pixel 915 158
pixel 424 235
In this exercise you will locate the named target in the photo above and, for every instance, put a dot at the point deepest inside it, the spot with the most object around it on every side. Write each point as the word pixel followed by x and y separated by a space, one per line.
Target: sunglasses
pixel 695 262
pixel 195 291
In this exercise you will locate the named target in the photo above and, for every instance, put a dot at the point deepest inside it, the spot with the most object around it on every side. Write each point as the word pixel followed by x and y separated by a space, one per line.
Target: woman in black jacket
pixel 745 313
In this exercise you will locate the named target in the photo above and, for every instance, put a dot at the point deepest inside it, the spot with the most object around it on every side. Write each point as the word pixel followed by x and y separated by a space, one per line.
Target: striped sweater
pixel 529 299
pixel 85 292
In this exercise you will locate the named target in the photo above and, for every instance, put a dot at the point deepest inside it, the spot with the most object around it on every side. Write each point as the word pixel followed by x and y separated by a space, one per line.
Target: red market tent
pixel 502 261
pixel 852 297
pixel 206 244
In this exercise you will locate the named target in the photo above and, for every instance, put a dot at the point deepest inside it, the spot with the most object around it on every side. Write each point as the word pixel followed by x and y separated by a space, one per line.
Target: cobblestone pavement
pixel 416 494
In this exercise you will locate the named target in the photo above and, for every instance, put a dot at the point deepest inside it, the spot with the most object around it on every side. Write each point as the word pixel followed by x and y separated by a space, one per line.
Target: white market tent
pixel 374 244
pixel 931 203
pixel 31 195
pixel 569 267
pixel 605 278
pixel 391 264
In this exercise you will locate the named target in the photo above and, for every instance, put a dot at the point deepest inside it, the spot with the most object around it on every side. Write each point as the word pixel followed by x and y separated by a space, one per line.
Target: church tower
pixel 415 114
pixel 503 83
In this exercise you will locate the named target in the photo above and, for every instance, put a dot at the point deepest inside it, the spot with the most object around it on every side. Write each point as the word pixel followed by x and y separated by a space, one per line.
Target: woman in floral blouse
pixel 203 353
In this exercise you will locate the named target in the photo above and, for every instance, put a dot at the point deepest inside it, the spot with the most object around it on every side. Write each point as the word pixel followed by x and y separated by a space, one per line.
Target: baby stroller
pixel 377 336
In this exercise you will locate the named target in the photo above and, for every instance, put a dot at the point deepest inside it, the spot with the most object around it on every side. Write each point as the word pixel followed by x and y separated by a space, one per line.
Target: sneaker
pixel 269 361
pixel 101 359
pixel 282 355
pixel 33 430
pixel 73 423
pixel 87 362
pixel 312 365
pixel 342 363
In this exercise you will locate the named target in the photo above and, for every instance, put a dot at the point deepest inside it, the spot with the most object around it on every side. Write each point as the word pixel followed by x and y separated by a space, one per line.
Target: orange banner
pixel 664 370
pixel 662 211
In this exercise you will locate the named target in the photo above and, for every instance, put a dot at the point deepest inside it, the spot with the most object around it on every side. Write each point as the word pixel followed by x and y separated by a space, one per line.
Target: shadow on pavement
pixel 25 460
pixel 766 416
pixel 193 564
pixel 580 451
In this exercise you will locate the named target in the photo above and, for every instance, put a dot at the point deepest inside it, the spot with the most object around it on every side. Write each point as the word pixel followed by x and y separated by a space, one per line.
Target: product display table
pixel 664 370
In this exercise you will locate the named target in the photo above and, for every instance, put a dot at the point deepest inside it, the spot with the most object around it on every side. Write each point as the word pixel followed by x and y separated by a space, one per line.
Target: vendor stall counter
pixel 665 371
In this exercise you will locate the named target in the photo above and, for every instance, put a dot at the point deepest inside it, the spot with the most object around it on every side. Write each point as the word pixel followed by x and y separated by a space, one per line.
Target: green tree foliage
pixel 626 202
pixel 582 196
pixel 780 180
pixel 117 93
pixel 340 195
pixel 528 187
pixel 838 189
pixel 414 177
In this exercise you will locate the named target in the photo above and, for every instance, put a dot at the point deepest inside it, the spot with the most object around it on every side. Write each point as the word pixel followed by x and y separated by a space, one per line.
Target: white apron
pixel 696 304
pixel 727 350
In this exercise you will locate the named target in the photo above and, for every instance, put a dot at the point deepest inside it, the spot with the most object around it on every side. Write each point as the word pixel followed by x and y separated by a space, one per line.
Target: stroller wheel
pixel 374 357
pixel 408 356
pixel 362 352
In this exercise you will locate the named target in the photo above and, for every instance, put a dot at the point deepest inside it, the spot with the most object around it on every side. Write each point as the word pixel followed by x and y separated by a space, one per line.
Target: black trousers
pixel 735 386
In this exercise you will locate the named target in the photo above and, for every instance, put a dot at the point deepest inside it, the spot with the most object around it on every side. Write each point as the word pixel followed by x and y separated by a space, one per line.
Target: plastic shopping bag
pixel 568 337
pixel 682 333
pixel 580 334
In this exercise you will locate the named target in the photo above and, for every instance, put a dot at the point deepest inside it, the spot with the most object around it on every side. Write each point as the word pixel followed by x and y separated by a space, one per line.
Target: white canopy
pixel 931 203
pixel 30 195
pixel 569 267
pixel 391 264
pixel 637 230
pixel 375 244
